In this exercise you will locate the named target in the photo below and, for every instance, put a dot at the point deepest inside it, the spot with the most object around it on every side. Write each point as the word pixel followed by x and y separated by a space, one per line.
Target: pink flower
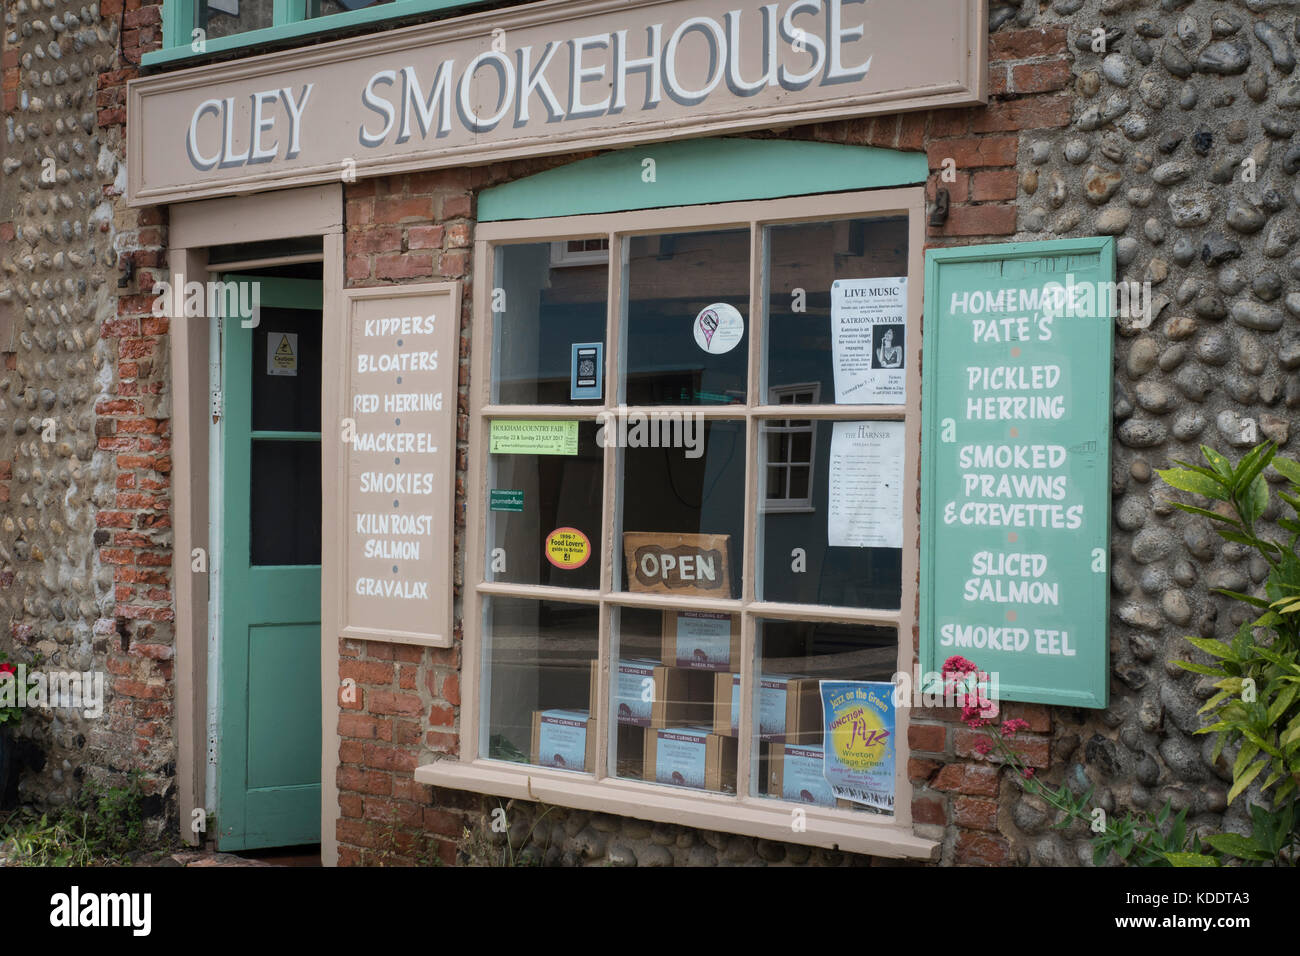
pixel 1013 725
pixel 983 746
pixel 1028 772
pixel 958 665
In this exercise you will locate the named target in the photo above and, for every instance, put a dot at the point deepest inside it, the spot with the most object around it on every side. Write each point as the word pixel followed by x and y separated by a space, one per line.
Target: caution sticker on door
pixel 567 548
pixel 282 353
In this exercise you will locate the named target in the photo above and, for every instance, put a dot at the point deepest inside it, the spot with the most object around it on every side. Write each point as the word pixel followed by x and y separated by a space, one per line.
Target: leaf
pixel 1213 515
pixel 1196 668
pixel 1204 513
pixel 1190 859
pixel 1261 743
pixel 1217 461
pixel 1238 596
pixel 1241 783
pixel 1248 752
pixel 1207 472
pixel 1237 845
pixel 1254 500
pixel 1212 647
pixel 1287 468
pixel 1185 479
pixel 1292 733
pixel 1248 469
pixel 1284 700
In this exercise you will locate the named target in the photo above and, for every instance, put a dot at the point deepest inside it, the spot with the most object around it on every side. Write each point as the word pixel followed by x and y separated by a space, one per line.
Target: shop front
pixel 515 417
pixel 583 430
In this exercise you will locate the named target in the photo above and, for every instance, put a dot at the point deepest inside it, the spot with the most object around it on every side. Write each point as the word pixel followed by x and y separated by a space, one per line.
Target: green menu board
pixel 1015 467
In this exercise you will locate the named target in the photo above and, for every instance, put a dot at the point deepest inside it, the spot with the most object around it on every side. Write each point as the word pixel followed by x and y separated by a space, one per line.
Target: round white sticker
pixel 719 328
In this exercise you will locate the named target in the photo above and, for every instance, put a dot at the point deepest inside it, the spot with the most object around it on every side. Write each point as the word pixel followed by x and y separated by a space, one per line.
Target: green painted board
pixel 698 171
pixel 1015 470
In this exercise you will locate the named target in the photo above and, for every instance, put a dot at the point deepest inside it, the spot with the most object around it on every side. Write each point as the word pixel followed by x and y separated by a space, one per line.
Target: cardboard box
pixel 789 708
pixel 626 690
pixel 690 757
pixel 564 739
pixel 803 712
pixel 669 563
pixel 701 640
pixel 795 773
pixel 683 698
pixel 726 704
pixel 679 697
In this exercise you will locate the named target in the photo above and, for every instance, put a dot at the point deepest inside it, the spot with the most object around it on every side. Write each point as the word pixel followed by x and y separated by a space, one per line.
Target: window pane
pixel 286 370
pixel 857 501
pixel 798 482
pixel 530 498
pixel 667 670
pixel 547 310
pixel 789 741
pixel 323 8
pixel 538 658
pixel 283 472
pixel 776 483
pixel 223 18
pixel 683 512
pixel 687 318
pixel 809 256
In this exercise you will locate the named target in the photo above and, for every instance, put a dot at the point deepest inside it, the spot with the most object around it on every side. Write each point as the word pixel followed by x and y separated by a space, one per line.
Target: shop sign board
pixel 1015 465
pixel 557 76
pixel 400 360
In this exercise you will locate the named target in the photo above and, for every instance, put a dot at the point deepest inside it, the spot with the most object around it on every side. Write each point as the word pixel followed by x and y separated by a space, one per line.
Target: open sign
pixel 678 563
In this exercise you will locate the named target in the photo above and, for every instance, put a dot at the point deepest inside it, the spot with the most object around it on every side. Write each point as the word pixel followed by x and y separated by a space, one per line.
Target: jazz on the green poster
pixel 513 437
pixel 859 752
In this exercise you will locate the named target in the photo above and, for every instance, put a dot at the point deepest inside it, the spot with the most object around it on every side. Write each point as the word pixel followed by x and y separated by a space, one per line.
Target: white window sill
pixel 752 816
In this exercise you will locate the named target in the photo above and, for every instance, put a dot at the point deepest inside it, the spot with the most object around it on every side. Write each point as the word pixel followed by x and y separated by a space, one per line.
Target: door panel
pixel 278 759
pixel 269 750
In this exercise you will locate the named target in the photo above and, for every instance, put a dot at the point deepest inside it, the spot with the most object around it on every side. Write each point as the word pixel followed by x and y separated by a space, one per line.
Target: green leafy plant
pixel 29 839
pixel 104 825
pixel 1256 675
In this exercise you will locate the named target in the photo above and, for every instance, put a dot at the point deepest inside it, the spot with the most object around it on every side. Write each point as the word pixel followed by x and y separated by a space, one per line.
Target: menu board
pixel 1015 513
pixel 399 438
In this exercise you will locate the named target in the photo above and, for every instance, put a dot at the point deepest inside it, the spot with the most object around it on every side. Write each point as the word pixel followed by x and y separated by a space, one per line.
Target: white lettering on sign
pixel 494 85
pixel 666 54
pixel 1011 484
pixel 687 567
pixel 253 149
pixel 400 463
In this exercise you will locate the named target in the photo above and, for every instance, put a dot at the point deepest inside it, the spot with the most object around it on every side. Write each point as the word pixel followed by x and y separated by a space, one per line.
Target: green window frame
pixel 292 18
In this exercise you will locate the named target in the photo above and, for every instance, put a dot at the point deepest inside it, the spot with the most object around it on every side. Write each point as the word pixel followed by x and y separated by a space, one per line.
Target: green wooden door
pixel 269 751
